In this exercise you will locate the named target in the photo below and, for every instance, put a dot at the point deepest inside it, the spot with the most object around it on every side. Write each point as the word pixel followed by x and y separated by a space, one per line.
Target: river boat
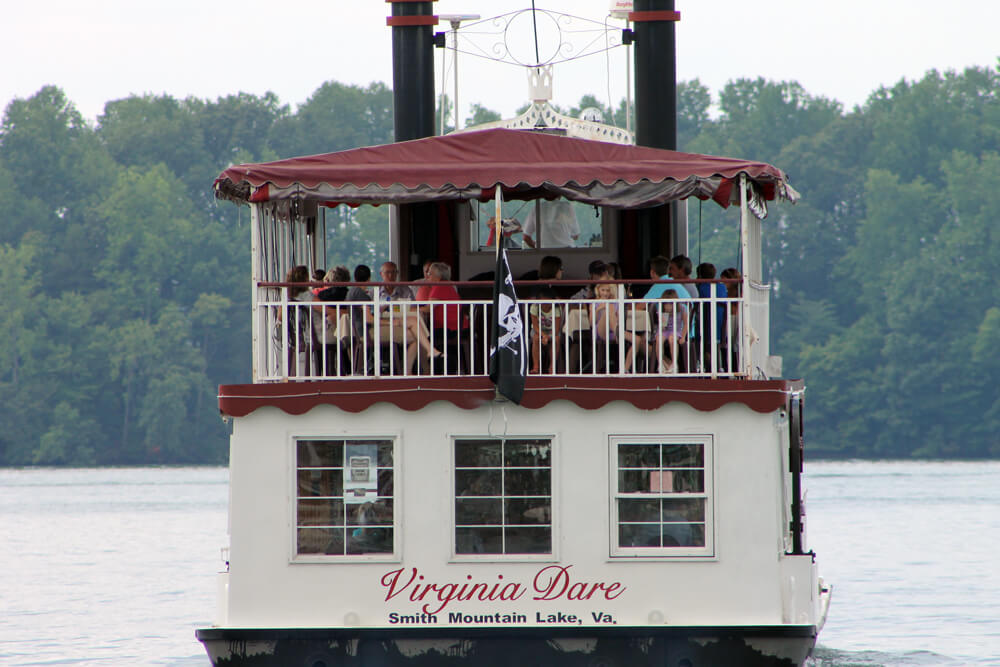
pixel 641 503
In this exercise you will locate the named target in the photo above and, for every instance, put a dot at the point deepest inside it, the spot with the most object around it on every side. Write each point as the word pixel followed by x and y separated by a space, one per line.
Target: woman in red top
pixel 425 288
pixel 446 316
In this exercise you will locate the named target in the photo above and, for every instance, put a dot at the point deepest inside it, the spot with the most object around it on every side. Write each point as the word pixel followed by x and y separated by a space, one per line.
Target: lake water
pixel 116 566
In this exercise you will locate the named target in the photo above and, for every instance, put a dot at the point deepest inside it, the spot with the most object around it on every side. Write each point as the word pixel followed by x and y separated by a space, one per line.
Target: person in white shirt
pixel 559 226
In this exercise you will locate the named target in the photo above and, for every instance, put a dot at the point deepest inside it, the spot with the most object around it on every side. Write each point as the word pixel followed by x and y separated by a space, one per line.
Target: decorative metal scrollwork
pixel 534 37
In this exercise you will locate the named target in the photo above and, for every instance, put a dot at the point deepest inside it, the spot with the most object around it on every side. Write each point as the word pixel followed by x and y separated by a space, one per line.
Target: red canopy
pixel 527 164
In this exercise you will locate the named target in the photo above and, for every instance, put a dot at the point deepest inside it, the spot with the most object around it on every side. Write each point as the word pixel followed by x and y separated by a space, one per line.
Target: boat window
pixel 661 496
pixel 539 224
pixel 344 497
pixel 503 496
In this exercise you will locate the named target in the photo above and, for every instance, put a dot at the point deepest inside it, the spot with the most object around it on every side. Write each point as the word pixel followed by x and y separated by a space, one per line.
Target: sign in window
pixel 503 496
pixel 344 497
pixel 661 492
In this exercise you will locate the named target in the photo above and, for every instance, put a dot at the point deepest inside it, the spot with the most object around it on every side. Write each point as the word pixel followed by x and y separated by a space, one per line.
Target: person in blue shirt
pixel 659 267
pixel 705 319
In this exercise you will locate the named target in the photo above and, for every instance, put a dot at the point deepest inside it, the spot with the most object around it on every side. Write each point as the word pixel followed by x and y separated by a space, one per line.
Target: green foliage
pixel 480 114
pixel 336 117
pixel 125 286
pixel 881 300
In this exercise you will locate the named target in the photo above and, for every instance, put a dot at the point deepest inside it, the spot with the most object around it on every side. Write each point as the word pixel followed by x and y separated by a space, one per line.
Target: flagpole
pixel 508 363
pixel 497 219
pixel 498 239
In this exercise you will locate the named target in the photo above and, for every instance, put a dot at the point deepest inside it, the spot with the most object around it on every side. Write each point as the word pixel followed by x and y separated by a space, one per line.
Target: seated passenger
pixel 730 346
pixel 318 276
pixel 298 329
pixel 659 269
pixel 443 316
pixel 546 330
pixel 605 315
pixel 397 292
pixel 550 268
pixel 425 287
pixel 446 320
pixel 597 270
pixel 672 327
pixel 362 274
pixel 334 291
pixel 604 318
pixel 396 325
pixel 706 319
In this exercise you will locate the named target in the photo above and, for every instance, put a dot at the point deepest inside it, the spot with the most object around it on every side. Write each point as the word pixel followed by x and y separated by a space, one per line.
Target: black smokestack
pixel 413 118
pixel 655 73
pixel 412 69
pixel 654 231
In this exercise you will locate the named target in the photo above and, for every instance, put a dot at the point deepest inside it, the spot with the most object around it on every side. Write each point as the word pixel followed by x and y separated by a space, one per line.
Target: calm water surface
pixel 116 566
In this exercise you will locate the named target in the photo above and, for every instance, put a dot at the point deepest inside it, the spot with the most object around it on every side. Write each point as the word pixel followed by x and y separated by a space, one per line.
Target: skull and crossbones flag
pixel 508 353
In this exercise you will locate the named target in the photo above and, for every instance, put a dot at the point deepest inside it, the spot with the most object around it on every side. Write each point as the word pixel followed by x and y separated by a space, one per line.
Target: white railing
pixel 564 337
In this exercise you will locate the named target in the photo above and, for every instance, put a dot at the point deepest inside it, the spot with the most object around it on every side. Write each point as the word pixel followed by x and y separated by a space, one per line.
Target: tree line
pixel 126 285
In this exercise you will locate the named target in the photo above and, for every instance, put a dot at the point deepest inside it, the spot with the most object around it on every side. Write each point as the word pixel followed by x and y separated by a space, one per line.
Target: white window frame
pixel 552 555
pixel 294 555
pixel 487 209
pixel 707 551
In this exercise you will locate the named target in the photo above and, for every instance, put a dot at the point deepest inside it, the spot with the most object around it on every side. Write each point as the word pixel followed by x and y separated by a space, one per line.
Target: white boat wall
pixel 730 588
pixel 639 504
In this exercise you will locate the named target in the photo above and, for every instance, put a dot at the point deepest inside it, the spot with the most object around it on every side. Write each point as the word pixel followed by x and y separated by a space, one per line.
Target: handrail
pixel 346 340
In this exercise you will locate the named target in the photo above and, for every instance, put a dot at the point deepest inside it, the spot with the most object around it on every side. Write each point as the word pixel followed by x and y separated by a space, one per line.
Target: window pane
pixel 344 483
pixel 639 534
pixel 477 453
pixel 478 540
pixel 635 481
pixel 683 456
pixel 639 456
pixel 384 453
pixel 320 453
pixel 477 511
pixel 369 540
pixel 321 512
pixel 477 482
pixel 689 481
pixel 630 509
pixel 321 541
pixel 683 535
pixel 651 512
pixel 372 513
pixel 527 453
pixel 684 509
pixel 528 510
pixel 320 483
pixel 526 482
pixel 525 540
pixel 385 483
pixel 503 502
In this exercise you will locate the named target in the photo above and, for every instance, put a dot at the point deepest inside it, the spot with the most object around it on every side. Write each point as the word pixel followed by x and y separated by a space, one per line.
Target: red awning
pixel 527 164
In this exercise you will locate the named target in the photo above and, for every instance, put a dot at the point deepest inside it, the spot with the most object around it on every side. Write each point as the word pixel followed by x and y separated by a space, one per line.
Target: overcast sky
pixel 104 50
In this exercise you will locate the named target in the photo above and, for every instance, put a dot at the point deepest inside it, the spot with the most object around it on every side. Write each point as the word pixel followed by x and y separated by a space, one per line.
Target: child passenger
pixel 546 330
pixel 673 325
pixel 605 315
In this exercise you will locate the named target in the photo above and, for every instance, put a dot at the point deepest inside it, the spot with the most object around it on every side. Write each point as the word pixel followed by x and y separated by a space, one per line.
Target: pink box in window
pixel 661 481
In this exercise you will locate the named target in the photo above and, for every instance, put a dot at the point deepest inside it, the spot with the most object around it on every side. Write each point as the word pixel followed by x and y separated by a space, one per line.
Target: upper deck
pixel 615 339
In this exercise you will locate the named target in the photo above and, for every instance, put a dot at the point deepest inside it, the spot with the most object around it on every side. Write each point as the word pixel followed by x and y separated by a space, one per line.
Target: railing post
pixel 713 346
pixel 745 361
pixel 256 358
pixel 377 331
pixel 283 346
pixel 622 321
